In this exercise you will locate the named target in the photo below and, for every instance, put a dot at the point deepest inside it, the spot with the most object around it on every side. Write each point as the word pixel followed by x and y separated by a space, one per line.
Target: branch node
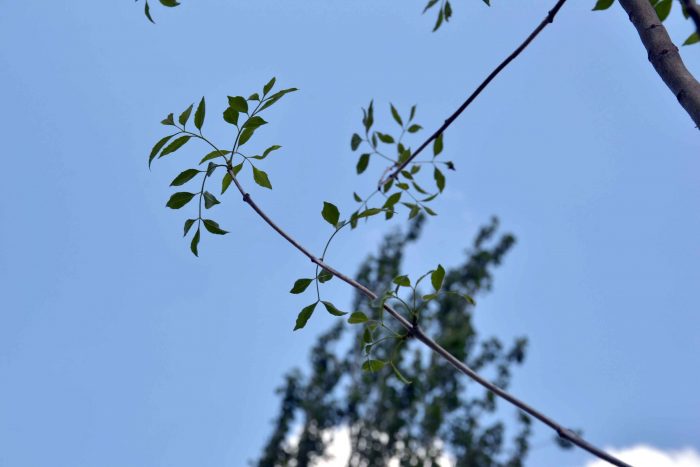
pixel 246 197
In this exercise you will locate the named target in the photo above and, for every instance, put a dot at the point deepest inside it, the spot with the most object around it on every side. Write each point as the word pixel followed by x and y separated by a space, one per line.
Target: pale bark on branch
pixel 664 56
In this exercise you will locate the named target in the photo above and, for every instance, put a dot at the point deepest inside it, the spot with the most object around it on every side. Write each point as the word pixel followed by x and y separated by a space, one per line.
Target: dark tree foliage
pixel 439 411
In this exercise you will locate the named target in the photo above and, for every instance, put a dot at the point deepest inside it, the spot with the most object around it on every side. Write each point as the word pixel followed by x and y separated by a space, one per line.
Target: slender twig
pixel 693 11
pixel 664 56
pixel 417 332
pixel 548 19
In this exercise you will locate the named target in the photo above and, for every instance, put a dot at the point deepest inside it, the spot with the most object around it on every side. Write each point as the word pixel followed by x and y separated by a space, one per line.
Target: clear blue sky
pixel 120 348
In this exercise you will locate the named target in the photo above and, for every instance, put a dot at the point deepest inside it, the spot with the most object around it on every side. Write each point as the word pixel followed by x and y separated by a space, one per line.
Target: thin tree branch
pixel 417 332
pixel 664 56
pixel 693 11
pixel 548 19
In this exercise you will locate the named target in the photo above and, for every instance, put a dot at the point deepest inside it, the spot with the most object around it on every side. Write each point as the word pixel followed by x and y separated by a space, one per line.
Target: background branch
pixel 664 56
pixel 693 11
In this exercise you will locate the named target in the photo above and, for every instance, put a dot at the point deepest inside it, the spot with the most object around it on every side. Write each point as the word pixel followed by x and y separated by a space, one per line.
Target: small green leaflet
pixel 398 374
pixel 254 122
pixel 357 318
pixel 663 8
pixel 692 39
pixel 245 135
pixel 373 365
pixel 184 116
pixel 261 179
pixel 195 243
pixel 169 3
pixel 362 163
pixel 395 114
pixel 158 146
pixel 414 128
pixel 267 152
pixel 268 87
pixel 210 200
pixel 275 97
pixel 384 138
pixel 147 10
pixel 188 225
pixel 330 213
pixel 169 120
pixel 333 310
pixel 300 285
pixel 437 276
pixel 231 116
pixel 225 182
pixel 439 179
pixel 304 316
pixel 213 227
pixel 184 177
pixel 238 103
pixel 355 141
pixel 214 155
pixel 199 114
pixel 402 281
pixel 175 145
pixel 179 199
pixel 603 4
pixel 324 276
pixel 437 145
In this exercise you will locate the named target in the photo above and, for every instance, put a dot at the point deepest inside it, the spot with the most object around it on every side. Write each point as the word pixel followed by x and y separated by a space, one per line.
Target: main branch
pixel 664 56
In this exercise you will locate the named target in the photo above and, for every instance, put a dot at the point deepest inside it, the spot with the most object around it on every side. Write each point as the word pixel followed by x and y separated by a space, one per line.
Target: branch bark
pixel 664 56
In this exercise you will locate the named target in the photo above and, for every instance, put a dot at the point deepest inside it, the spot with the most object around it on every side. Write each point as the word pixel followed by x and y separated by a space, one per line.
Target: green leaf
pixel 398 374
pixel 184 116
pixel 275 97
pixel 199 114
pixel 169 3
pixel 369 212
pixel 414 128
pixel 169 120
pixel 692 39
pixel 373 365
pixel 603 4
pixel 213 227
pixel 174 146
pixel 367 336
pixel 210 200
pixel 395 114
pixel 254 122
pixel 357 318
pixel 356 197
pixel 214 155
pixel 147 10
pixel 238 103
pixel 179 199
pixel 158 146
pixel 437 276
pixel 663 8
pixel 384 138
pixel 439 179
pixel 300 285
pixel 362 163
pixel 231 116
pixel 267 152
pixel 429 211
pixel 211 168
pixel 392 200
pixel 368 119
pixel 429 5
pixel 254 97
pixel 195 243
pixel 330 213
pixel 324 276
pixel 237 168
pixel 437 145
pixel 261 179
pixel 402 281
pixel 448 11
pixel 188 226
pixel 268 87
pixel 330 308
pixel 246 134
pixel 304 316
pixel 439 21
pixel 355 141
pixel 184 177
pixel 225 182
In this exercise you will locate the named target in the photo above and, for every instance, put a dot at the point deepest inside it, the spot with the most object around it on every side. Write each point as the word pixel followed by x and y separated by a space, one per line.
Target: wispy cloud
pixel 643 455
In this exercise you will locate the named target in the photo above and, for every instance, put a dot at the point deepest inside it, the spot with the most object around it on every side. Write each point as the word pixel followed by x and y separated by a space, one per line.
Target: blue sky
pixel 118 347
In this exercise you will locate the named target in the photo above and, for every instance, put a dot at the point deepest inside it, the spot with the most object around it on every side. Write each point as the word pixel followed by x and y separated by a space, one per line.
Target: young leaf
pixel 169 3
pixel 395 114
pixel 362 163
pixel 268 87
pixel 225 182
pixel 324 276
pixel 437 145
pixel 300 285
pixel 333 310
pixel 330 213
pixel 398 374
pixel 355 141
pixel 174 146
pixel 156 149
pixel 603 4
pixel 188 226
pixel 213 155
pixel 237 168
pixel 254 122
pixel 267 152
pixel 245 136
pixel 254 97
pixel 356 197
pixel 211 168
pixel 357 318
pixel 373 365
pixel 692 39
pixel 437 276
pixel 199 114
pixel 210 200
pixel 261 179
pixel 275 97
pixel 179 199
pixel 304 316
pixel 384 138
pixel 414 128
pixel 169 120
pixel 195 243
pixel 184 177
pixel 147 10
pixel 184 116
pixel 403 281
pixel 231 116
pixel 238 103
pixel 213 227
pixel 663 8
pixel 439 179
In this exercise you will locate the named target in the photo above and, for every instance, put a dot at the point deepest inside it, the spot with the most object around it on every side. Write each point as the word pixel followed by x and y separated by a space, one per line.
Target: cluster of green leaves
pixel 243 114
pixel 404 189
pixel 147 7
pixel 387 419
pixel 663 9
pixel 444 11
